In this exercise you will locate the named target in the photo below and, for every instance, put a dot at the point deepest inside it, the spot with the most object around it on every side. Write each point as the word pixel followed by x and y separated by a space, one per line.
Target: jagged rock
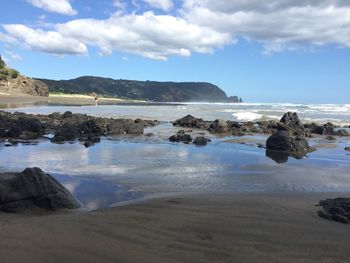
pixel 186 138
pixel 33 189
pixel 337 209
pixel 201 141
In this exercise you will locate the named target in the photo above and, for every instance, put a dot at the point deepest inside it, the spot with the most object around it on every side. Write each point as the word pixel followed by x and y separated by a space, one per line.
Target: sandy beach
pixel 197 228
pixel 8 100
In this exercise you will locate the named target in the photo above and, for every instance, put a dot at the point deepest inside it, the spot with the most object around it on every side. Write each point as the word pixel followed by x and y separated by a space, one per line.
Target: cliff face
pixel 24 85
pixel 142 90
pixel 14 83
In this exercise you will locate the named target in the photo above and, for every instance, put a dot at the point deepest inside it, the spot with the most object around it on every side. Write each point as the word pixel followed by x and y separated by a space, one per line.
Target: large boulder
pixel 33 189
pixel 283 142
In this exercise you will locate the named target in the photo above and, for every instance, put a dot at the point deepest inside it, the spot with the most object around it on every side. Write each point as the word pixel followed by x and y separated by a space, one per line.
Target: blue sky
pixel 284 51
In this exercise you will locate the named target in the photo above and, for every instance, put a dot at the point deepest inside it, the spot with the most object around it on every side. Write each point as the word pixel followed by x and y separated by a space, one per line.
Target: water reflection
pixel 159 166
pixel 95 193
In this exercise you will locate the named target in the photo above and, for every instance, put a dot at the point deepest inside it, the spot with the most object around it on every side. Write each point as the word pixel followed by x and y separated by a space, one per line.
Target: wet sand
pixel 197 228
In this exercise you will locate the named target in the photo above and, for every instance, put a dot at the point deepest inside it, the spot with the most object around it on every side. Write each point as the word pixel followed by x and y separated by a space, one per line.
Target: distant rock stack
pixel 12 82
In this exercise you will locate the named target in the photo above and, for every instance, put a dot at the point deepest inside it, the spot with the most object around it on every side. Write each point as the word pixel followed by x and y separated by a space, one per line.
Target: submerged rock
pixel 337 209
pixel 347 148
pixel 201 141
pixel 33 189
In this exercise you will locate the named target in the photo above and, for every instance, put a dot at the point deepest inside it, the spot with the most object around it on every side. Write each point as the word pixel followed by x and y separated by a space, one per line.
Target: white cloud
pixel 198 26
pixel 46 41
pixel 56 6
pixel 148 35
pixel 164 5
pixel 278 25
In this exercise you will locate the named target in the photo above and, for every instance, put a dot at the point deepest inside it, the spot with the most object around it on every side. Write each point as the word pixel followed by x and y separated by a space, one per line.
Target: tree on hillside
pixel 2 63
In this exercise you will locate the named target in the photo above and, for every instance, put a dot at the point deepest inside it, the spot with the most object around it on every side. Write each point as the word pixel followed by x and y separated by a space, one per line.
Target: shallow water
pixel 126 168
pixel 321 113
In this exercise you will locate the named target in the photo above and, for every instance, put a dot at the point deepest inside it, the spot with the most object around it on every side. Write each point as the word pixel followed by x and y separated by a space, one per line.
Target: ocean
pixel 320 113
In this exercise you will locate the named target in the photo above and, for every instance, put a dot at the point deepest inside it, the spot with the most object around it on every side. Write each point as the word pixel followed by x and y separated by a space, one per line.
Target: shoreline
pixel 186 228
pixel 8 100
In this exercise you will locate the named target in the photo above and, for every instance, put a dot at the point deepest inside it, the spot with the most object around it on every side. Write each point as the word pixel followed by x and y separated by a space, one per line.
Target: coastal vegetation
pixel 141 90
pixel 6 72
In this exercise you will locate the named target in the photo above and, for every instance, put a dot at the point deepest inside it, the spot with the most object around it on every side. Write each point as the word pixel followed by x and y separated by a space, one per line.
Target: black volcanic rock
pixel 337 209
pixel 179 137
pixel 201 141
pixel 140 90
pixel 33 189
pixel 191 122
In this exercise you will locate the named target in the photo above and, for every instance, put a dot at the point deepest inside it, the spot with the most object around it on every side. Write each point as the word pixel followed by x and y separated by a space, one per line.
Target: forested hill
pixel 141 90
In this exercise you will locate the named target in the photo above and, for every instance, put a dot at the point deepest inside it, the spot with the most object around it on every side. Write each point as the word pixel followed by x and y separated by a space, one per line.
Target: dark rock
pixel 347 148
pixel 292 124
pixel 342 133
pixel 66 133
pixel 191 122
pixel 277 156
pixel 337 209
pixel 326 129
pixel 201 141
pixel 14 132
pixel 33 189
pixel 67 114
pixel 134 128
pixel 280 141
pixel 89 127
pixel 186 138
pixel 219 126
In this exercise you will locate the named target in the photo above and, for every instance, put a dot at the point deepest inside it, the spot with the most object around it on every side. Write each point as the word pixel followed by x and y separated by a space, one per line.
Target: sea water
pixel 320 113
pixel 125 168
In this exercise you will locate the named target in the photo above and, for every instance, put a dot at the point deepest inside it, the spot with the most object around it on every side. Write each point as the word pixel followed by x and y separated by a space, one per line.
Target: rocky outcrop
pixel 24 85
pixel 67 127
pixel 32 189
pixel 282 141
pixel 288 139
pixel 337 209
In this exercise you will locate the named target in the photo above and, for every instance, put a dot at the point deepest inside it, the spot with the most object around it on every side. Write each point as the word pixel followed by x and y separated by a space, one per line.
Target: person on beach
pixel 96 100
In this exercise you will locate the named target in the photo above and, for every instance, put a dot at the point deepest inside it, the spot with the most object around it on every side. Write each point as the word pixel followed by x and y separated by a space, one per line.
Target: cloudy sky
pixel 271 51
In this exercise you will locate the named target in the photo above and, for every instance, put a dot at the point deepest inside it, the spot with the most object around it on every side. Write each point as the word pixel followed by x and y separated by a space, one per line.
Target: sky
pixel 294 51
